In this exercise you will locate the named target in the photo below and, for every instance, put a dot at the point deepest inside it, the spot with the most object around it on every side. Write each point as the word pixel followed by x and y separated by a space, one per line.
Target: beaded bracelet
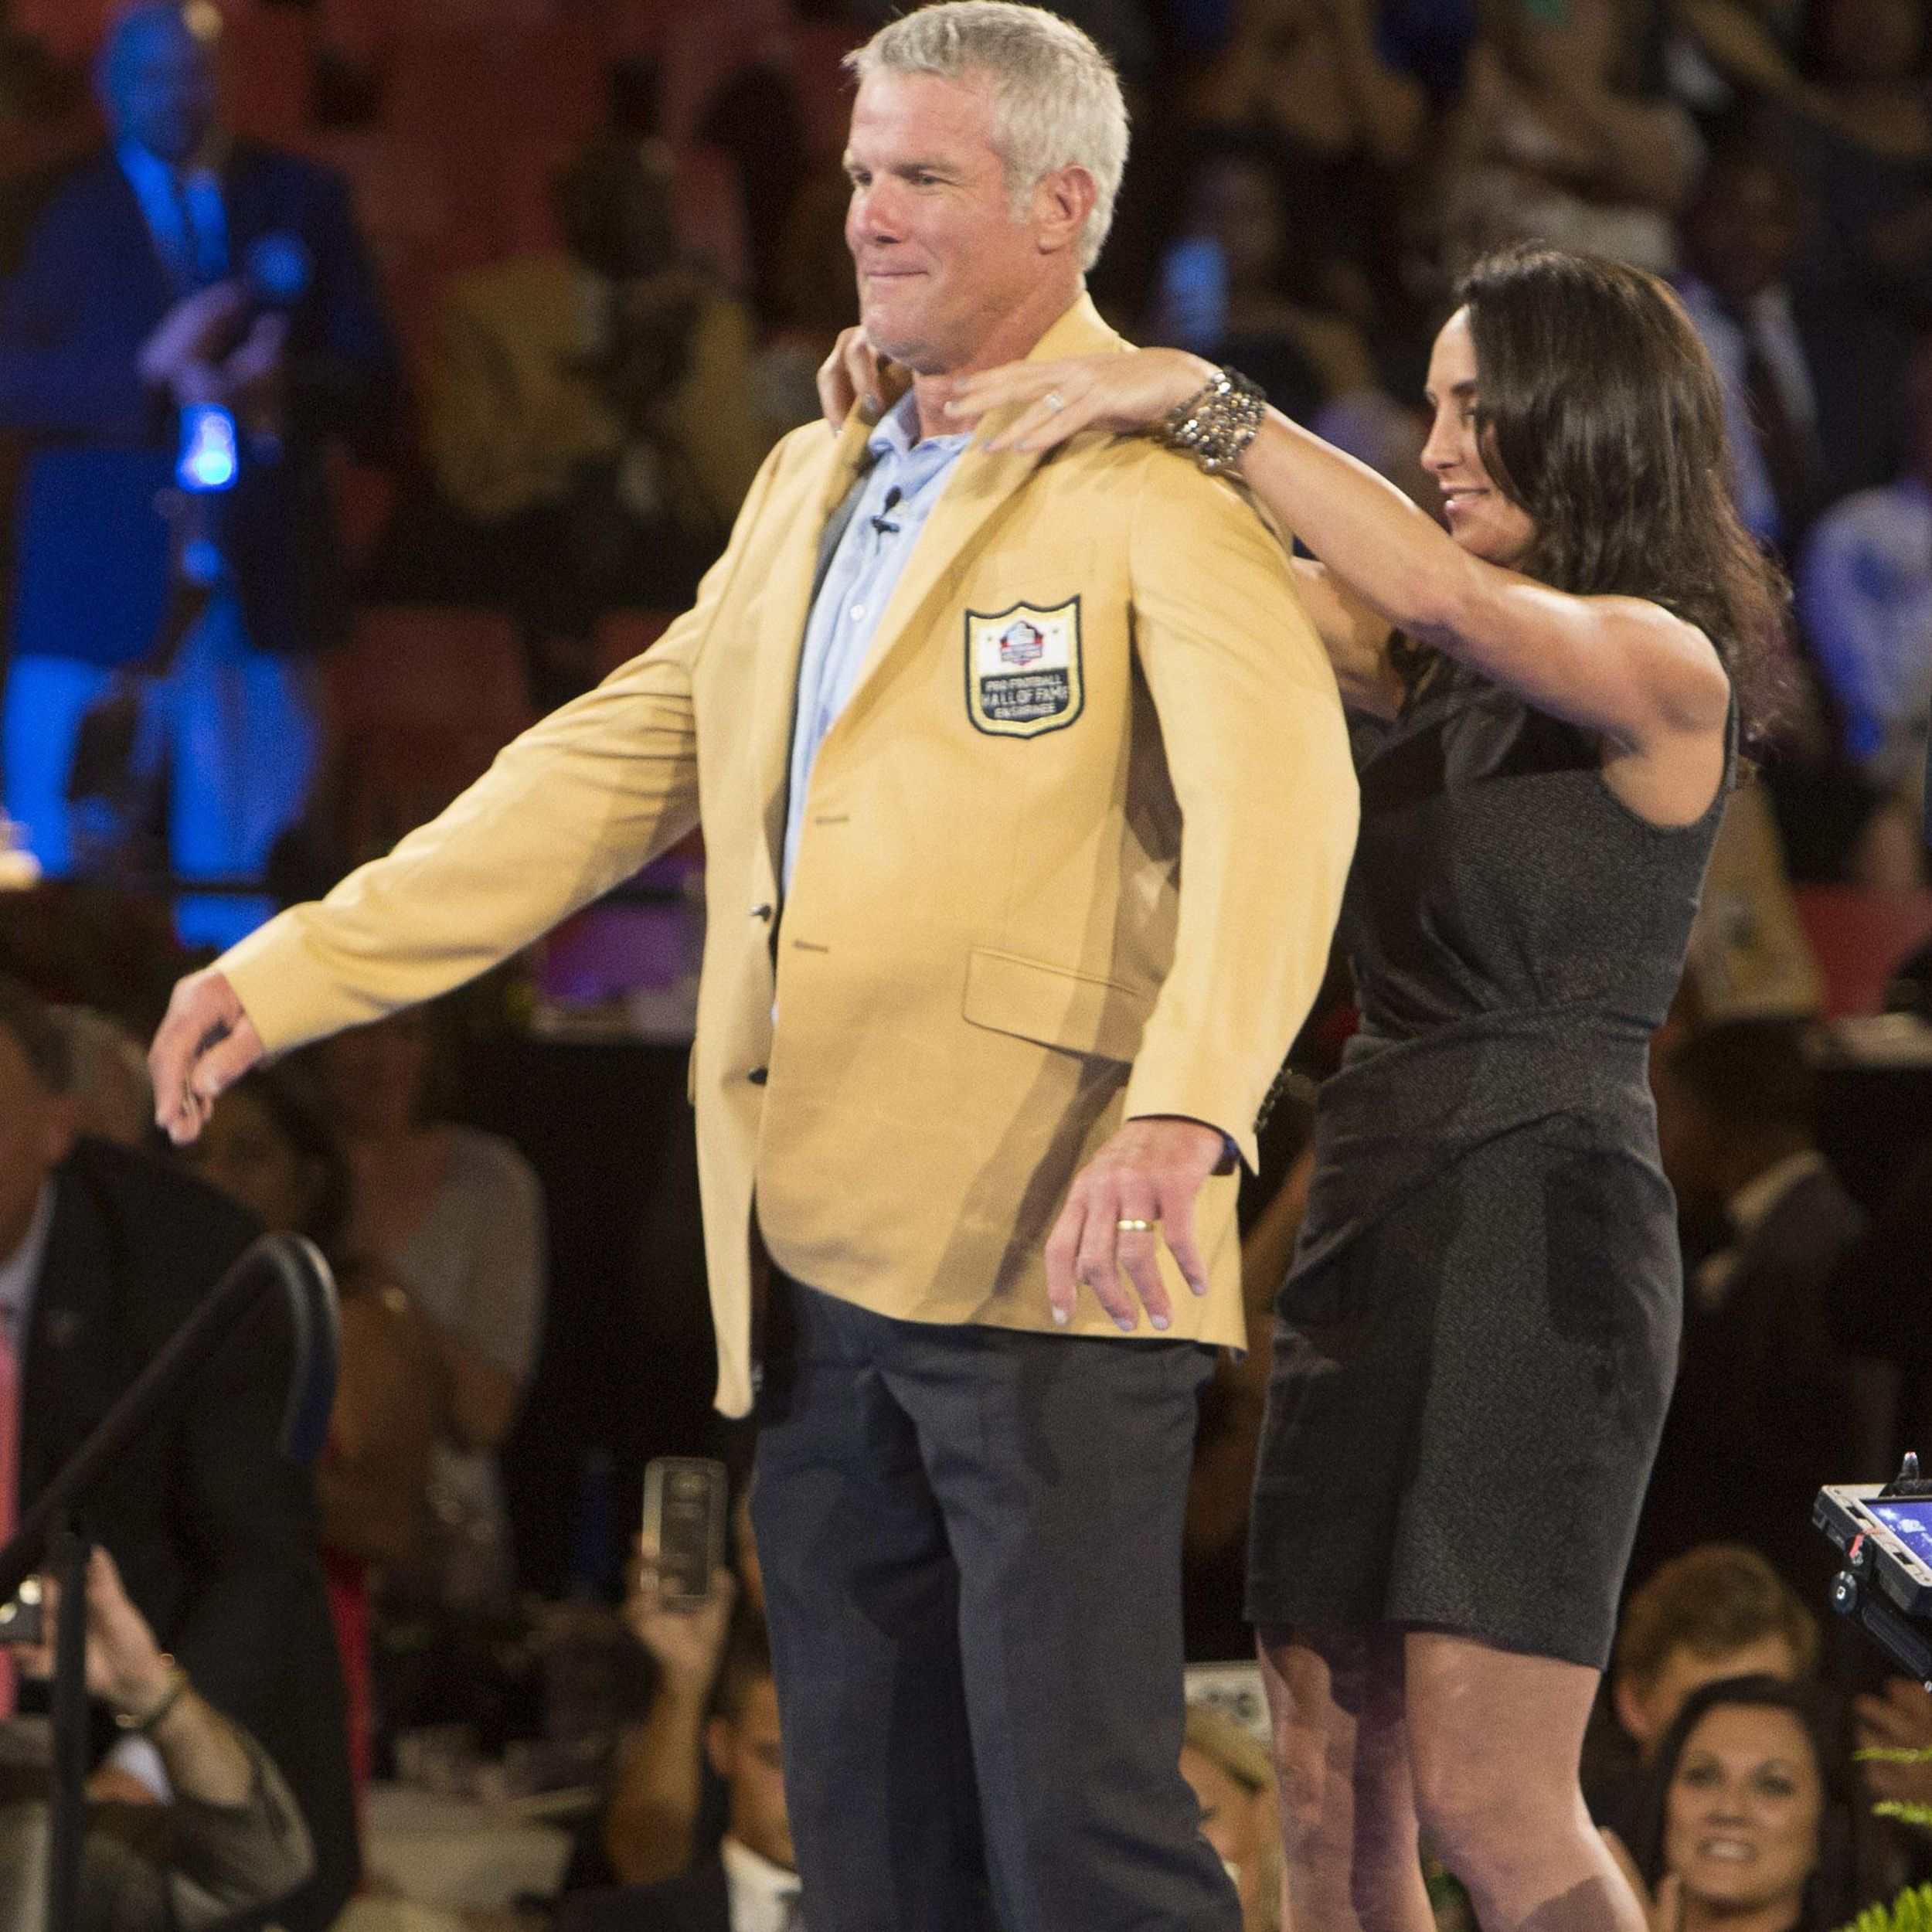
pixel 1216 427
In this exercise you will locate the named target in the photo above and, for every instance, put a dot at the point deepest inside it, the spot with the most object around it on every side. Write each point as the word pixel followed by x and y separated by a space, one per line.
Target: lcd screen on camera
pixel 1911 1523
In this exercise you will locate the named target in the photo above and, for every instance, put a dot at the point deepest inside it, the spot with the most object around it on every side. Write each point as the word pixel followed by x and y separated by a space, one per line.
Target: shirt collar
pixel 759 1890
pixel 898 434
pixel 21 1269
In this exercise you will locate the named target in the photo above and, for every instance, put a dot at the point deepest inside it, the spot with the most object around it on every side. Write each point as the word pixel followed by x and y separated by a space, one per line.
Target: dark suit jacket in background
pixel 93 546
pixel 1762 1414
pixel 697 1900
pixel 215 1534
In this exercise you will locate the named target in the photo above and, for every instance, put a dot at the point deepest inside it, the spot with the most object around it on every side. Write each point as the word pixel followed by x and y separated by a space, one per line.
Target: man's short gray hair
pixel 1056 99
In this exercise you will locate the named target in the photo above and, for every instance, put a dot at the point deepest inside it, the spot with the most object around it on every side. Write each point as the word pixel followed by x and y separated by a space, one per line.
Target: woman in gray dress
pixel 1476 1340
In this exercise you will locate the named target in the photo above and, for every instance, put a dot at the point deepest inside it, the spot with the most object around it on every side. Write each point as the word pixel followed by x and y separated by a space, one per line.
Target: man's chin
pixel 913 353
pixel 911 348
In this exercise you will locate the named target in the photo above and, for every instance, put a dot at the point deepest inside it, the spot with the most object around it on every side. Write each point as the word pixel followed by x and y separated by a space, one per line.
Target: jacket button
pixel 759 1075
pixel 761 912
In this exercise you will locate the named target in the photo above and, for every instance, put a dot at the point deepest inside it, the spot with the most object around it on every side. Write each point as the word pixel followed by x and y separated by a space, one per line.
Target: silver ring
pixel 1054 400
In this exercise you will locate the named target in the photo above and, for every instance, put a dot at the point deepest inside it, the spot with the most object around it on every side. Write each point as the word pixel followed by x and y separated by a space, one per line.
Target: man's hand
pixel 1899 1718
pixel 188 336
pixel 251 378
pixel 205 1044
pixel 125 1665
pixel 1139 1187
pixel 686 1643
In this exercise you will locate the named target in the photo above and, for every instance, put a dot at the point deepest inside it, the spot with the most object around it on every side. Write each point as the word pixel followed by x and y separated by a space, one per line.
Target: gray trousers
pixel 971 1542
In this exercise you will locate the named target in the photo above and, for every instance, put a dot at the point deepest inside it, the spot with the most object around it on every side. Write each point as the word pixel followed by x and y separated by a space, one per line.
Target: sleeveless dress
pixel 1476 1342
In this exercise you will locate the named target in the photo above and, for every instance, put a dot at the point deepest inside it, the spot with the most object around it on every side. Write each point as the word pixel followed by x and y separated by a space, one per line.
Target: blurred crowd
pixel 483 451
pixel 600 256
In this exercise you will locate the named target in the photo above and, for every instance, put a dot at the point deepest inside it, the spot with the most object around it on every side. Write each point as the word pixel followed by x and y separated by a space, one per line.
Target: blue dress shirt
pixel 905 480
pixel 184 212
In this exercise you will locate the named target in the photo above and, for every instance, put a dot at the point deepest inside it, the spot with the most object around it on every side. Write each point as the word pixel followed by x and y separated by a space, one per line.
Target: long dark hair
pixel 1825 1903
pixel 1600 417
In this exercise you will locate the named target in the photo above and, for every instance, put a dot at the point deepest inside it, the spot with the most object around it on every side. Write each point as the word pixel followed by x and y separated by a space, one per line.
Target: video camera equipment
pixel 1886 1532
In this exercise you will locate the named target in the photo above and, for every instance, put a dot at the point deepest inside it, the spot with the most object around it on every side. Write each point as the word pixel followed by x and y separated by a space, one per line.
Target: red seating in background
pixel 365 496
pixel 421 701
pixel 1859 939
pixel 267 72
pixel 622 635
pixel 825 88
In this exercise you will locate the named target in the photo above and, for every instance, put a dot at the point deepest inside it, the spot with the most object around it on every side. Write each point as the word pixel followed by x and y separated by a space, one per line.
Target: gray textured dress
pixel 1476 1343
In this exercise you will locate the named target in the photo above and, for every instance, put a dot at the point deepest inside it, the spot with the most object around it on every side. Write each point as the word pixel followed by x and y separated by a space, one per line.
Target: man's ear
pixel 60 1128
pixel 1062 202
pixel 1632 1712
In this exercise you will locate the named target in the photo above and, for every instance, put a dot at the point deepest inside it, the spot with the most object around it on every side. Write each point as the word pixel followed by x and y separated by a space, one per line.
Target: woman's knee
pixel 1481 1814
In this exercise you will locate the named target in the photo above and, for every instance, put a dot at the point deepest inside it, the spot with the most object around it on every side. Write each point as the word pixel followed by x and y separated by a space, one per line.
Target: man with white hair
pixel 1027 806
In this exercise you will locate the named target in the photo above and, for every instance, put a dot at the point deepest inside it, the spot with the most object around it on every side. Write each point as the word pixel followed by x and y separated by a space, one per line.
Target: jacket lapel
pixel 69 1321
pixel 781 633
pixel 978 488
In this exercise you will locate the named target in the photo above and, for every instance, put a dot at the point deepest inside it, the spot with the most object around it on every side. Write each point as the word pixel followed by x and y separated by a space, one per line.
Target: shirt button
pixel 858 610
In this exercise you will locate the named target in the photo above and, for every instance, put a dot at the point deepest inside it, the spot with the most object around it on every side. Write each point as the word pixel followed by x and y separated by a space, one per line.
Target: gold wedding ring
pixel 1137 1227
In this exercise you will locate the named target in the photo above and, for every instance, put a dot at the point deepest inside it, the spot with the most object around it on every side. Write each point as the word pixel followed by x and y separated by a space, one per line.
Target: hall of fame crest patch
pixel 1023 670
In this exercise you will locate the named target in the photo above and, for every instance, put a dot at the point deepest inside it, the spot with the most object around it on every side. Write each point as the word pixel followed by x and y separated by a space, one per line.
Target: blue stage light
pixel 207 458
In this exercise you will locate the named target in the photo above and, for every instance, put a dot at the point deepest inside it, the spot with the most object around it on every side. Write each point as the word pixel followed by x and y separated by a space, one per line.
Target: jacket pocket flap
pixel 1073 1012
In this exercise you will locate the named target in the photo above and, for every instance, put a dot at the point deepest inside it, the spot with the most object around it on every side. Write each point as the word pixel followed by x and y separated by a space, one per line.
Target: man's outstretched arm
pixel 571 808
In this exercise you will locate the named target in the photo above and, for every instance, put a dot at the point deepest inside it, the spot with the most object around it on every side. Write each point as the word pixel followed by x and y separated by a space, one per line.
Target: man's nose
pixel 874 213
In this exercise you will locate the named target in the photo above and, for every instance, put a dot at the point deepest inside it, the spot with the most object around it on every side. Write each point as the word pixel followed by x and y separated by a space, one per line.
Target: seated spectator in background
pixel 1856 119
pixel 1717 1611
pixel 1227 1438
pixel 1837 88
pixel 755 116
pixel 1750 957
pixel 1766 1407
pixel 1554 142
pixel 1729 52
pixel 592 415
pixel 1742 1821
pixel 1232 1778
pixel 813 296
pixel 454 1216
pixel 666 1807
pixel 103 1252
pixel 1226 282
pixel 268 1145
pixel 1865 594
pixel 110 1087
pixel 1881 1309
pixel 1338 124
pixel 130 302
pixel 749 1884
pixel 652 1823
pixel 235 1841
pixel 1737 238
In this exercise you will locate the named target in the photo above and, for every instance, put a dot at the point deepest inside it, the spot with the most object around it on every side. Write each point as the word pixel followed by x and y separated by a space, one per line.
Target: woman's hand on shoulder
pixel 1122 392
pixel 855 371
